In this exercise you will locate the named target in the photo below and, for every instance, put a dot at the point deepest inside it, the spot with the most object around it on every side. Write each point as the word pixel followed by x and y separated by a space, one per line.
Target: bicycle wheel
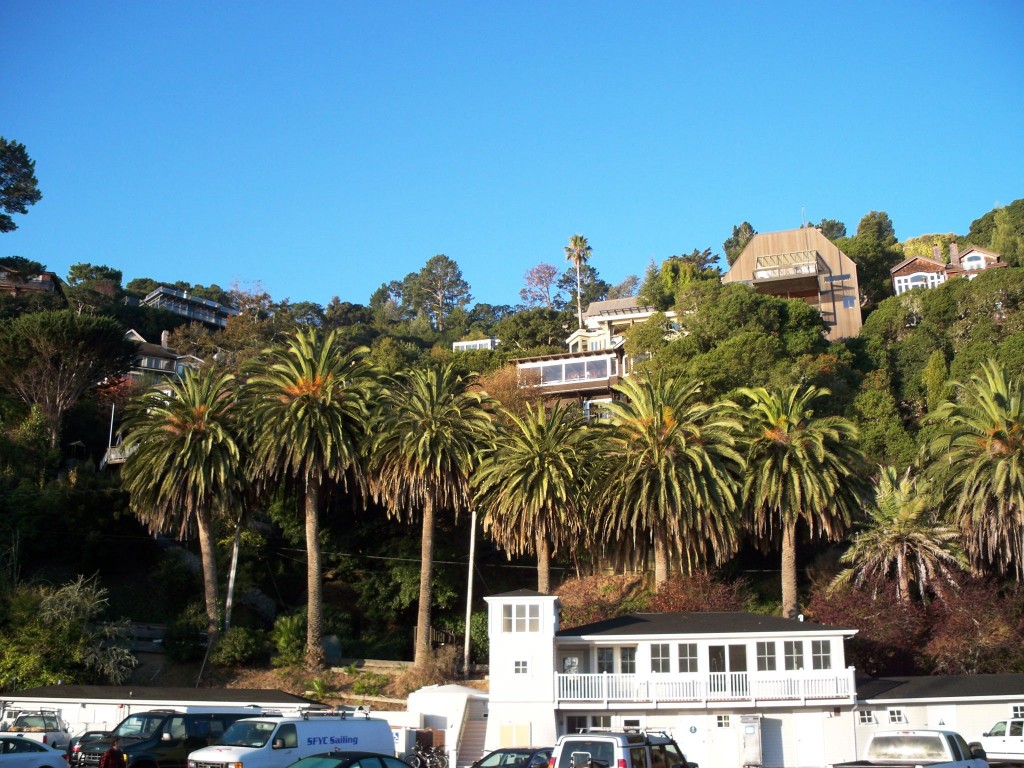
pixel 414 760
pixel 441 760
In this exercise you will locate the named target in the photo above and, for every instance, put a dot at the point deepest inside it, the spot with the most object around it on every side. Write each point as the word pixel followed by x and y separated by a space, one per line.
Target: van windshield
pixel 247 733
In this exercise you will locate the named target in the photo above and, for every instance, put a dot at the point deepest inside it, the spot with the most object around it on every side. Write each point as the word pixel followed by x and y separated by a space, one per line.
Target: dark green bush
pixel 240 645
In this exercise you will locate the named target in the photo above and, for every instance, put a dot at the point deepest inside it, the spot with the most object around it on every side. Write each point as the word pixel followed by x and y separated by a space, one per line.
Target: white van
pixel 273 742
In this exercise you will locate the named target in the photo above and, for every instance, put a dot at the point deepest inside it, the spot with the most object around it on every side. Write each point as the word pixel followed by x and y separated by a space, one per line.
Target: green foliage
pixel 874 249
pixel 983 229
pixel 184 638
pixel 239 645
pixel 19 187
pixel 883 437
pixel 370 684
pixel 934 378
pixel 289 638
pixel 741 235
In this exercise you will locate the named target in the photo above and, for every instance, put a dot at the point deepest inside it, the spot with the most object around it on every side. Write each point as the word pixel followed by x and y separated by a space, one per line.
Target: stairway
pixel 474 732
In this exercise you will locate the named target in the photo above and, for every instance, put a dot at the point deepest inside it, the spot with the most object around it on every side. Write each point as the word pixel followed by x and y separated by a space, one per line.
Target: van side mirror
pixel 277 743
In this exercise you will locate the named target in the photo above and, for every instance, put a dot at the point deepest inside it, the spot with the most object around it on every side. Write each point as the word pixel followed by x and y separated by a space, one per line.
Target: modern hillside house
pixel 13 284
pixel 924 272
pixel 803 264
pixel 193 307
pixel 596 358
pixel 736 689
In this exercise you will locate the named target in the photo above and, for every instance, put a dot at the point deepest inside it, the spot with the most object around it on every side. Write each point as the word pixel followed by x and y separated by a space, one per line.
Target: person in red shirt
pixel 115 756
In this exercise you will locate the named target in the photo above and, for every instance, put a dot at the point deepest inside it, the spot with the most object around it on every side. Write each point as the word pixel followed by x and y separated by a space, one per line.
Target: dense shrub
pixel 239 645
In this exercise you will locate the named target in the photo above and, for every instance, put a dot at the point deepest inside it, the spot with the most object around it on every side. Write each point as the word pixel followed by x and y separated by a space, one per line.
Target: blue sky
pixel 323 148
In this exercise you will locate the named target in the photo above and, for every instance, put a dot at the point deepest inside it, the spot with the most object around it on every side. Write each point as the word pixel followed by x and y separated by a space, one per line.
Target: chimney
pixel 165 339
pixel 954 255
pixel 937 252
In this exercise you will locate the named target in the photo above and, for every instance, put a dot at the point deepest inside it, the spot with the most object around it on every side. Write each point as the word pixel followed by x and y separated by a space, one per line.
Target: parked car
pixel 19 752
pixel 76 743
pixel 340 759
pixel 43 725
pixel 1004 741
pixel 618 749
pixel 516 757
pixel 919 747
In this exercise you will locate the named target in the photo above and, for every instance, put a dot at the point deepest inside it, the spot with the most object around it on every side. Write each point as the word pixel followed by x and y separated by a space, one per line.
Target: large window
pixel 687 657
pixel 766 657
pixel 566 371
pixel 627 661
pixel 606 660
pixel 520 618
pixel 821 654
pixel 794 651
pixel 660 659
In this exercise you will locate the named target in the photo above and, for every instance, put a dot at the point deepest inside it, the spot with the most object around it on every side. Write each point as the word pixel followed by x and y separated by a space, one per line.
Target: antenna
pixel 803 217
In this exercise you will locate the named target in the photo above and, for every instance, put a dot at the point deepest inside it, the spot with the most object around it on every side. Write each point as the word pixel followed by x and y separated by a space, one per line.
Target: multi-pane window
pixel 897 716
pixel 660 659
pixel 520 618
pixel 722 721
pixel 766 657
pixel 575 723
pixel 522 667
pixel 687 657
pixel 600 721
pixel 1017 710
pixel 821 654
pixel 627 661
pixel 866 717
pixel 606 660
pixel 794 653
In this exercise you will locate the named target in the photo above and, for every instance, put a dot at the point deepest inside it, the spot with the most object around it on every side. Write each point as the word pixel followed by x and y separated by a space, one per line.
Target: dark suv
pixel 160 738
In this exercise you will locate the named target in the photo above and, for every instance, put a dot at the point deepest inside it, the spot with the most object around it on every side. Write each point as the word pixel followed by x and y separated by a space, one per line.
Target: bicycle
pixel 426 757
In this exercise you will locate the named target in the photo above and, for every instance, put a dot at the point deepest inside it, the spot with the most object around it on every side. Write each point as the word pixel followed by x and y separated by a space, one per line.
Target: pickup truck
pixel 899 749
pixel 1004 741
pixel 45 726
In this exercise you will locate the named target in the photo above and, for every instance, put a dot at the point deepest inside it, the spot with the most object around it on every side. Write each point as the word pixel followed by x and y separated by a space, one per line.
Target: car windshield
pixel 910 747
pixel 247 733
pixel 317 762
pixel 505 757
pixel 139 726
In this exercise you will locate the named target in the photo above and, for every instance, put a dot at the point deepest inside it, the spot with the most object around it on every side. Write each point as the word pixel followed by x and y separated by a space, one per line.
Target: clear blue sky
pixel 323 148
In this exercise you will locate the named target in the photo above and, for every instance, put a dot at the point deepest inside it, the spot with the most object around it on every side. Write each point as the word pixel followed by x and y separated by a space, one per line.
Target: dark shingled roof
pixel 523 593
pixel 939 687
pixel 240 696
pixel 697 623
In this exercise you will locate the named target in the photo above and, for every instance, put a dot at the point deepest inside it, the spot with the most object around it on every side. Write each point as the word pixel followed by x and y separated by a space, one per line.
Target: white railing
pixel 698 688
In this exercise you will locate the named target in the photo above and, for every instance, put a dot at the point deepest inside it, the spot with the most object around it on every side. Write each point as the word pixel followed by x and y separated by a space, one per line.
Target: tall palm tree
pixel 531 484
pixel 977 457
pixel 800 468
pixel 671 472
pixel 307 417
pixel 903 537
pixel 428 435
pixel 185 465
pixel 578 252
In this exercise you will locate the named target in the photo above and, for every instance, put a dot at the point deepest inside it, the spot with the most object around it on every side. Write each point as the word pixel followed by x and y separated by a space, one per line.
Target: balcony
pixel 793 273
pixel 570 372
pixel 700 690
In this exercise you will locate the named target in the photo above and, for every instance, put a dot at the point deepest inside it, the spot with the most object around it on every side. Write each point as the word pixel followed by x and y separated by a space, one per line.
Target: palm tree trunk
pixel 579 294
pixel 660 559
pixel 789 595
pixel 314 589
pixel 209 558
pixel 904 580
pixel 543 564
pixel 422 657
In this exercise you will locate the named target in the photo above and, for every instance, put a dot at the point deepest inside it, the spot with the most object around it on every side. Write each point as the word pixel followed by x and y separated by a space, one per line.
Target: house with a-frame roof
pixel 715 681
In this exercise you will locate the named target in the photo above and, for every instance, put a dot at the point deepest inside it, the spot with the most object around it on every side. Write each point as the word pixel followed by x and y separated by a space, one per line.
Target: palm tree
pixel 671 471
pixel 428 435
pixel 578 252
pixel 977 458
pixel 531 484
pixel 307 417
pixel 903 537
pixel 799 468
pixel 184 464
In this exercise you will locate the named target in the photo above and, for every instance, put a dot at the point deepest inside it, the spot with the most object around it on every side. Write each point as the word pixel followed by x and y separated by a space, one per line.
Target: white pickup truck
pixel 45 726
pixel 900 749
pixel 1004 741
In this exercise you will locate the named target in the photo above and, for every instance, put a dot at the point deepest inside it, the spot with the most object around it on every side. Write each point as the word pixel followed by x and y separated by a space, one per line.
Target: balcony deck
pixel 700 690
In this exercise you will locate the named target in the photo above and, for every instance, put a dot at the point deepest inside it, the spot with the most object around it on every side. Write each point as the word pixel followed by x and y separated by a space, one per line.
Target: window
pixel 1017 728
pixel 575 723
pixel 522 667
pixel 766 657
pixel 849 302
pixel 1017 710
pixel 866 717
pixel 660 661
pixel 722 721
pixel 794 650
pixel 687 657
pixel 897 716
pixel 289 735
pixel 821 654
pixel 520 618
pixel 606 660
pixel 627 661
pixel 631 723
pixel 638 757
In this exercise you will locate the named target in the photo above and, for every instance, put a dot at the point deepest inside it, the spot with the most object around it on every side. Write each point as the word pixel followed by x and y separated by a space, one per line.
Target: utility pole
pixel 469 593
